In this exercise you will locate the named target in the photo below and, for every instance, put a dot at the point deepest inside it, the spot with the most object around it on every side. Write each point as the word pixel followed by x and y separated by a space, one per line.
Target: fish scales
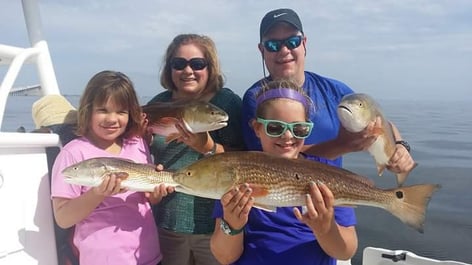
pixel 287 186
pixel 135 176
pixel 281 182
pixel 355 112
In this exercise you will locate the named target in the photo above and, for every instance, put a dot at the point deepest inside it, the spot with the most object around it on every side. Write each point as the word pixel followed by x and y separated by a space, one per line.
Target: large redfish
pixel 355 112
pixel 197 116
pixel 282 182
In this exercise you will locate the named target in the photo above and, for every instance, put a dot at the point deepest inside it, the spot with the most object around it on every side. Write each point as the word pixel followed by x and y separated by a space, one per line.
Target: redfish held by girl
pixel 134 176
pixel 355 112
pixel 283 182
pixel 197 116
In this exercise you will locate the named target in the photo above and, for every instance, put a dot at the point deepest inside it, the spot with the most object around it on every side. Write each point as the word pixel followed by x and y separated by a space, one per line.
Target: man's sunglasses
pixel 276 128
pixel 291 43
pixel 196 64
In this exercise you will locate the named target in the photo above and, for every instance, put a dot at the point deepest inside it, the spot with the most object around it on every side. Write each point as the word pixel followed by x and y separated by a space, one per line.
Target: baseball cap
pixel 280 15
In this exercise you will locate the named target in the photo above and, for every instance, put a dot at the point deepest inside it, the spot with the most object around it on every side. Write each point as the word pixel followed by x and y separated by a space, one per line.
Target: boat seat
pixel 380 256
pixel 67 253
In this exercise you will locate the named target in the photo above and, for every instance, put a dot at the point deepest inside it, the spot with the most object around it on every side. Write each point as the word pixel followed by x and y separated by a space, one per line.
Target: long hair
pixel 107 85
pixel 208 48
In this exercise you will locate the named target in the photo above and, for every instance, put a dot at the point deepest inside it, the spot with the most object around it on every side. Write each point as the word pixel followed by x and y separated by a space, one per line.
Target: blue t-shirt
pixel 279 238
pixel 325 93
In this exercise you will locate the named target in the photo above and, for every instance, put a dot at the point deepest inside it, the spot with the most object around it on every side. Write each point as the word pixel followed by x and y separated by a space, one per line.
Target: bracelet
pixel 212 151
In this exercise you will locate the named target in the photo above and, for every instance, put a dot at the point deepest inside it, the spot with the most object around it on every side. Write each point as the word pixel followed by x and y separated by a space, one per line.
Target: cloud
pixel 360 42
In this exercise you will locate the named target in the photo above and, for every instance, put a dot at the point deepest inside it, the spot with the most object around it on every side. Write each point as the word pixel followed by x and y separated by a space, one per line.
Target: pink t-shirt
pixel 121 230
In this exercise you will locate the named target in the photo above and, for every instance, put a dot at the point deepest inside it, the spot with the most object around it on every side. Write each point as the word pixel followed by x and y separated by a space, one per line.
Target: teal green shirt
pixel 184 213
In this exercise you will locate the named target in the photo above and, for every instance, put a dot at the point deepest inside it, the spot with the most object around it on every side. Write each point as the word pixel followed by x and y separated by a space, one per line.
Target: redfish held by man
pixel 355 112
pixel 197 116
pixel 282 182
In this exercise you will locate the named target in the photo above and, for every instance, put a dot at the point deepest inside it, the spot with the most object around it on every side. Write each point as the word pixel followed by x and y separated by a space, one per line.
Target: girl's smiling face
pixel 286 110
pixel 107 124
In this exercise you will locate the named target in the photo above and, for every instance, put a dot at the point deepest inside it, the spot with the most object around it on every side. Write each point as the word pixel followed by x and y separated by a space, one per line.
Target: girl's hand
pixel 110 185
pixel 319 215
pixel 160 190
pixel 236 206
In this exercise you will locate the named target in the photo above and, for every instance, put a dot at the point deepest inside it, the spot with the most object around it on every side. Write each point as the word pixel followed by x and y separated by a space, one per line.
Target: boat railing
pixel 17 57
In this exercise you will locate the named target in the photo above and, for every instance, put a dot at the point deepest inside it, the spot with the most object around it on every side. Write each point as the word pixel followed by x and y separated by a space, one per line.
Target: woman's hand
pixel 197 141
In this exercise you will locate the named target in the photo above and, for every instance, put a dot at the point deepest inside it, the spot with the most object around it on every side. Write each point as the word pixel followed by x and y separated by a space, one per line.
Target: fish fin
pixel 409 204
pixel 380 169
pixel 377 131
pixel 267 208
pixel 164 126
pixel 258 190
pixel 401 177
pixel 121 175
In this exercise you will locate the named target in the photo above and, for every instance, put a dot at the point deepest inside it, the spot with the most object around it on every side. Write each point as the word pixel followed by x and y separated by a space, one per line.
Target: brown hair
pixel 281 84
pixel 103 86
pixel 207 46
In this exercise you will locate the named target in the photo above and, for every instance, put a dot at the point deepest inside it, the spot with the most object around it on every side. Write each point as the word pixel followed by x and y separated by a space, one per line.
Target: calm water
pixel 440 134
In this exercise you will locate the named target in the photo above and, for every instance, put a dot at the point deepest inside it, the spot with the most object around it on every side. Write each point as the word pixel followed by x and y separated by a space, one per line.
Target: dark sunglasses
pixel 291 43
pixel 196 64
pixel 275 128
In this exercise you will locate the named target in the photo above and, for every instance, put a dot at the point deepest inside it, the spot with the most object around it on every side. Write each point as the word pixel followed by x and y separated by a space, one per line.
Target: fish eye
pixel 189 173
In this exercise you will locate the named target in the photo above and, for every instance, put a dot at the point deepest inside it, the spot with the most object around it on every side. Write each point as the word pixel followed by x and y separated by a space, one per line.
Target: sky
pixel 409 49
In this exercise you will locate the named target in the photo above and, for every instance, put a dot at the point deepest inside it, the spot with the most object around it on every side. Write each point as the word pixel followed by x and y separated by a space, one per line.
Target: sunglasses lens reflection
pixel 275 45
pixel 196 64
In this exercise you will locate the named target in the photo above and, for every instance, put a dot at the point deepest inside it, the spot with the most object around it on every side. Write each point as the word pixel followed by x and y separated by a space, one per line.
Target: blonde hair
pixel 207 46
pixel 107 85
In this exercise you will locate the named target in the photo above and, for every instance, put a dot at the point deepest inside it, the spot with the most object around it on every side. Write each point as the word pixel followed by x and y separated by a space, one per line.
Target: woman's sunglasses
pixel 275 128
pixel 291 43
pixel 196 64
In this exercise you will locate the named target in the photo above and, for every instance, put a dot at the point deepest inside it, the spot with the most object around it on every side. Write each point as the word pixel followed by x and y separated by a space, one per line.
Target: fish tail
pixel 410 204
pixel 401 177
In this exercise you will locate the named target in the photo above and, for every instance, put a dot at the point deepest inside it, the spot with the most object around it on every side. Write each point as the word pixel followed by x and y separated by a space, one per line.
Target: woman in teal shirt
pixel 191 71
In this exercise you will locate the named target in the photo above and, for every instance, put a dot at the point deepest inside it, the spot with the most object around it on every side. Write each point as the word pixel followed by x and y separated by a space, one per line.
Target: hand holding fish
pixel 319 215
pixel 146 131
pixel 359 141
pixel 356 113
pixel 110 185
pixel 401 160
pixel 236 206
pixel 196 141
pixel 160 191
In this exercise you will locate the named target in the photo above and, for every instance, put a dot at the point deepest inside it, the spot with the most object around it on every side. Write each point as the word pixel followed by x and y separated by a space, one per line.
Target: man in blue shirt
pixel 283 49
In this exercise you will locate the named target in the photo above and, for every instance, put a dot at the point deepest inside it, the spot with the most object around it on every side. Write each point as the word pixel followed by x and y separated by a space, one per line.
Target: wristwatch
pixel 228 230
pixel 405 144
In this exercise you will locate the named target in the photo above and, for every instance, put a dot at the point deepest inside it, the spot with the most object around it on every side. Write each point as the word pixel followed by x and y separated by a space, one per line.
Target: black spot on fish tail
pixel 399 194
